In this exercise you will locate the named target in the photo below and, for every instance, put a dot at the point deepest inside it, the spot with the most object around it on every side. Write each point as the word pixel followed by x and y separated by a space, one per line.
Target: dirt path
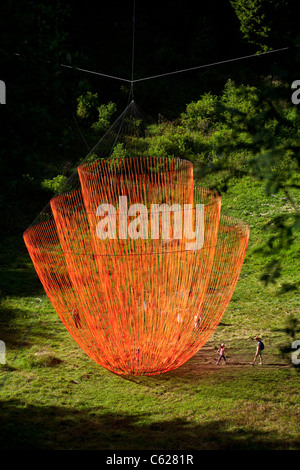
pixel 206 359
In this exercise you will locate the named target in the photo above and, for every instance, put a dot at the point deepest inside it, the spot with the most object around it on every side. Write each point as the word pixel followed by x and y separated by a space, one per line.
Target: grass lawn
pixel 53 396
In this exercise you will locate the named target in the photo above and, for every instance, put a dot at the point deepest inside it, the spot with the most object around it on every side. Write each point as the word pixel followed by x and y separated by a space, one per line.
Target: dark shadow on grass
pixel 20 281
pixel 14 336
pixel 54 428
pixel 22 333
pixel 17 274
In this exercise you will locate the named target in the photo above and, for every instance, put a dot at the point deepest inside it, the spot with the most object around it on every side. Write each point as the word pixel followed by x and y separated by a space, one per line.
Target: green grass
pixel 53 396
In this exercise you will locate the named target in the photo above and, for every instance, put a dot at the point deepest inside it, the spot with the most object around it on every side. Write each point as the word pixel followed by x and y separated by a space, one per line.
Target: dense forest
pixel 231 118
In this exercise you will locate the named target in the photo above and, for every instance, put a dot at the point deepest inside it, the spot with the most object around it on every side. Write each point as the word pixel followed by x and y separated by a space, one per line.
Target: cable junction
pixel 152 77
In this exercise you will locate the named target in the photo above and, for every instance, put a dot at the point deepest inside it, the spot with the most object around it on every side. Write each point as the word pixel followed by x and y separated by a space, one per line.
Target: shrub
pixel 201 114
pixel 105 112
pixel 86 104
pixel 58 185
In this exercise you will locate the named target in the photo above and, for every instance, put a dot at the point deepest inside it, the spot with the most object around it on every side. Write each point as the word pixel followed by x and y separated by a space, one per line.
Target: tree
pixel 265 130
pixel 33 134
pixel 267 23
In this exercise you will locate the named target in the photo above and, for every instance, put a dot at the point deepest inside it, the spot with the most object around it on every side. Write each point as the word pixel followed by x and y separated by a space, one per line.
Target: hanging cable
pixel 83 70
pixel 152 77
pixel 96 73
pixel 213 64
pixel 133 34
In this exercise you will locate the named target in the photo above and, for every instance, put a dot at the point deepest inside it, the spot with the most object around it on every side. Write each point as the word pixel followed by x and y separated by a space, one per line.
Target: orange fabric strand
pixel 138 304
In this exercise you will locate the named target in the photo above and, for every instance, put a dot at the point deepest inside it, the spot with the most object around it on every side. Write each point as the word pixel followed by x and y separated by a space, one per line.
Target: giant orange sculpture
pixel 139 265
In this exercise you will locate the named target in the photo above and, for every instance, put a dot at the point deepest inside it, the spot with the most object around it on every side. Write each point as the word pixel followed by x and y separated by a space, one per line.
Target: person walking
pixel 259 348
pixel 221 350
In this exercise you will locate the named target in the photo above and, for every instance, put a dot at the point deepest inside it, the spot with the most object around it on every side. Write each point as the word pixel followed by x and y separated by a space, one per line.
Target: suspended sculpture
pixel 139 264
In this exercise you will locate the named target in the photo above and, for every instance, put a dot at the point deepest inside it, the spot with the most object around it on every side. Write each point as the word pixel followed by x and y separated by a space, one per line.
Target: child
pixel 259 348
pixel 222 353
